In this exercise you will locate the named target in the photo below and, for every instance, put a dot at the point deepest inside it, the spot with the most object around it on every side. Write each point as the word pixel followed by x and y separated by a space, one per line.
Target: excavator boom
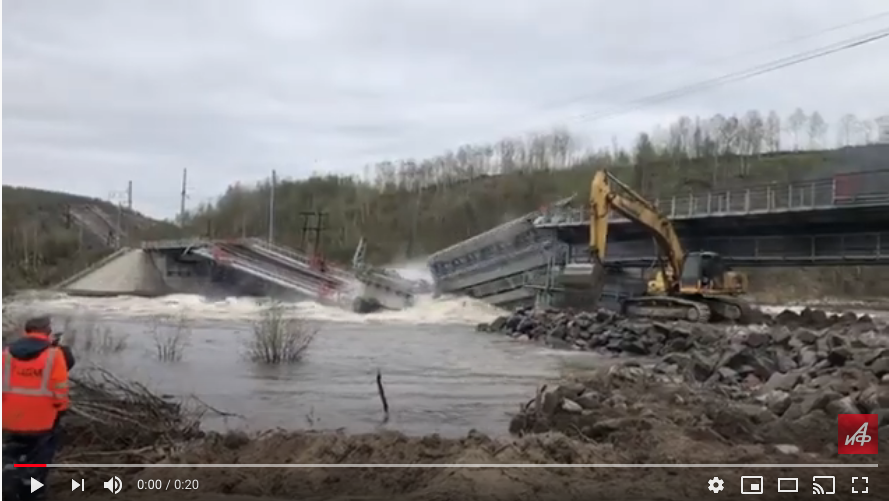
pixel 608 193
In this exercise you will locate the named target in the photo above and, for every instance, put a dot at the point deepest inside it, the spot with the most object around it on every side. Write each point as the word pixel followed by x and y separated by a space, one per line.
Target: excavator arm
pixel 608 193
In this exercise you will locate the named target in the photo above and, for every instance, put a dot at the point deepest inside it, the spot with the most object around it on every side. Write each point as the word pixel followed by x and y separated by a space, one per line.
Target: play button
pixel 75 485
pixel 35 484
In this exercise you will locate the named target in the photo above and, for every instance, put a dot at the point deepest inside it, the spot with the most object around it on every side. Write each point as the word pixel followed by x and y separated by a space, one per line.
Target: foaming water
pixel 415 269
pixel 441 310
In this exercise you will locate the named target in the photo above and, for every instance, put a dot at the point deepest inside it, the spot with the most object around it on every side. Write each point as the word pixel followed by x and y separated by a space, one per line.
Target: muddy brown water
pixel 443 379
pixel 440 376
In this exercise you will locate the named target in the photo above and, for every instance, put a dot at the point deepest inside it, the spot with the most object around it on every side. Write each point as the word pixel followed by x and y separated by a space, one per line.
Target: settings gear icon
pixel 716 485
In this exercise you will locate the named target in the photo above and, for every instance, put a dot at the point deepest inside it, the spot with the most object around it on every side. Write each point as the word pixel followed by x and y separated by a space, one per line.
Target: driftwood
pixel 112 417
pixel 382 392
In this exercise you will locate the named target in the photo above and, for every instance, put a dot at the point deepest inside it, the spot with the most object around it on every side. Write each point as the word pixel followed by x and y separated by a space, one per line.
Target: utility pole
pixel 320 220
pixel 184 195
pixel 117 241
pixel 130 195
pixel 272 184
pixel 114 236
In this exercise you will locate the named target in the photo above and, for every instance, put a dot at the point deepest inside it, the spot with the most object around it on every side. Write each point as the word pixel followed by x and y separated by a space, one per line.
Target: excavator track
pixel 702 310
pixel 731 309
pixel 667 308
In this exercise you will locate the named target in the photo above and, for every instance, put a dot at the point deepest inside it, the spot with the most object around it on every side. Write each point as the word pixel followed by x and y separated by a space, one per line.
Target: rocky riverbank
pixel 782 382
pixel 765 394
pixel 608 332
pixel 663 413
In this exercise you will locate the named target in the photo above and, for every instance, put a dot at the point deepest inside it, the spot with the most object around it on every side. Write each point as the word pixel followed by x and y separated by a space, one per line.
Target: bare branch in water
pixel 382 392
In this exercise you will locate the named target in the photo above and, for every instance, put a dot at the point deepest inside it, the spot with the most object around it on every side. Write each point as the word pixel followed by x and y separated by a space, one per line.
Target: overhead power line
pixel 738 76
pixel 604 92
pixel 732 77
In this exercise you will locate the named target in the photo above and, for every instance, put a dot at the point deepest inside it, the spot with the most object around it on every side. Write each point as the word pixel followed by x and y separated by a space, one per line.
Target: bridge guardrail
pixel 848 190
pixel 176 243
pixel 495 261
pixel 309 286
pixel 296 256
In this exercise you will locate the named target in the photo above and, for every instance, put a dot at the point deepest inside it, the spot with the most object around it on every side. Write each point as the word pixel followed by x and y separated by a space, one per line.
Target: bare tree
pixel 674 143
pixel 751 138
pixel 796 122
pixel 730 135
pixel 773 131
pixel 714 130
pixel 817 130
pixel 867 128
pixel 847 129
pixel 754 132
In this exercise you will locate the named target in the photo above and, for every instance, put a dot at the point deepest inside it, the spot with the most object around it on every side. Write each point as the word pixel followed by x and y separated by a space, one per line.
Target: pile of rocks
pixel 635 404
pixel 788 379
pixel 607 331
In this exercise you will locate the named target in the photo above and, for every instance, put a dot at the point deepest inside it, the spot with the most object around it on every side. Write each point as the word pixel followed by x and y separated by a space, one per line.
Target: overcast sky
pixel 96 93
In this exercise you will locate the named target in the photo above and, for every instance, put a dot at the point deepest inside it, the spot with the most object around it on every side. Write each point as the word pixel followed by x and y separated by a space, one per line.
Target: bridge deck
pixel 281 265
pixel 857 190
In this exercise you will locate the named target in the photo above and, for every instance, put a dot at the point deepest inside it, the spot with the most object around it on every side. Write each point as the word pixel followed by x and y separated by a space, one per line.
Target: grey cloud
pixel 101 92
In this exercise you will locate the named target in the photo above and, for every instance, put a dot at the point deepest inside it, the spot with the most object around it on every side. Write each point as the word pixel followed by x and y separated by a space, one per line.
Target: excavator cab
pixel 707 272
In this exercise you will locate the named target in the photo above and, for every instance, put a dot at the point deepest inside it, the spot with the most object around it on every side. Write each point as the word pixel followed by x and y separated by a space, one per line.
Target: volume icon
pixel 114 485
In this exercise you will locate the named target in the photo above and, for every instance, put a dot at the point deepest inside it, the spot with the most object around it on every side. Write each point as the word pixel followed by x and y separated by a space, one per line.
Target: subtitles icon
pixel 824 485
pixel 751 485
pixel 857 434
pixel 788 485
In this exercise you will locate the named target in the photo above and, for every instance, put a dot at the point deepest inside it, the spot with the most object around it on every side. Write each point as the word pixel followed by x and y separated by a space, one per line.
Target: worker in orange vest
pixel 35 392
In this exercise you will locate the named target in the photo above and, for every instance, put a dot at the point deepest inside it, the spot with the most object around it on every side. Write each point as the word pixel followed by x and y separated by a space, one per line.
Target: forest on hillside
pixel 410 208
pixel 41 246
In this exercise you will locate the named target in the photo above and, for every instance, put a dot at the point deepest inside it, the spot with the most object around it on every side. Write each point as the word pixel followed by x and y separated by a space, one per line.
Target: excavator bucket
pixel 583 284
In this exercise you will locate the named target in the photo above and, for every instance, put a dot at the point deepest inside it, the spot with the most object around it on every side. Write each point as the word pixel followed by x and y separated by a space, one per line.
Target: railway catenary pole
pixel 183 196
pixel 272 184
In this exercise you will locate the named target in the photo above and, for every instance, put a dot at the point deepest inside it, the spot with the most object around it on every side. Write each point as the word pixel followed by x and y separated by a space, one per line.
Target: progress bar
pixel 438 465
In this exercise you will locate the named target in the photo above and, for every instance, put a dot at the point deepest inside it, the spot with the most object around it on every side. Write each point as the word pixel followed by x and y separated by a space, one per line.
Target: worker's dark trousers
pixel 40 448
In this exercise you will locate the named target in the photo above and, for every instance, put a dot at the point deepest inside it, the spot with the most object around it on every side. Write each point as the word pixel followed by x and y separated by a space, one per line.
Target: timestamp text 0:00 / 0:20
pixel 179 485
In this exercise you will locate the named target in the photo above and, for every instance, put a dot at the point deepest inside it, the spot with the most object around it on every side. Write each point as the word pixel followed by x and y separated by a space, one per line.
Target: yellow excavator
pixel 693 286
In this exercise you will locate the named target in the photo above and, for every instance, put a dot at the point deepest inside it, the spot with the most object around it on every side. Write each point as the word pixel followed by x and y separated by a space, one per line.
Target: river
pixel 440 376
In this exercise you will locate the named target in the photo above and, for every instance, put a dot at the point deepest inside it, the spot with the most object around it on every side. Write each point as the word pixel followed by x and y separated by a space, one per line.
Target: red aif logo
pixel 857 434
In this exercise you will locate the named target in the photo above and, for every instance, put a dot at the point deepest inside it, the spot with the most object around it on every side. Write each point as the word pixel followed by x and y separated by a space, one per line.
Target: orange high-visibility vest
pixel 34 391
